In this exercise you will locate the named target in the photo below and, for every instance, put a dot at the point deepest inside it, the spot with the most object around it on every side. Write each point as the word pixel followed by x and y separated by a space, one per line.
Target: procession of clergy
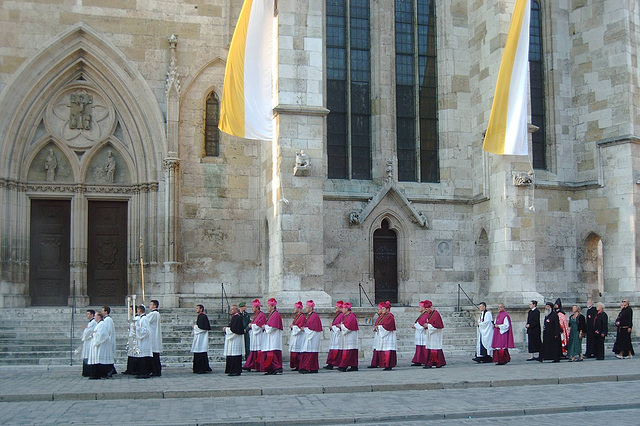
pixel 259 337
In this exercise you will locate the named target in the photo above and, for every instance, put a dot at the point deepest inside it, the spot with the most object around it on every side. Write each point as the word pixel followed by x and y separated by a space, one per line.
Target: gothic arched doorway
pixel 385 263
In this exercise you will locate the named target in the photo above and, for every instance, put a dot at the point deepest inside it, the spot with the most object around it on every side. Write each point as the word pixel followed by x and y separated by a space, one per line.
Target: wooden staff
pixel 142 269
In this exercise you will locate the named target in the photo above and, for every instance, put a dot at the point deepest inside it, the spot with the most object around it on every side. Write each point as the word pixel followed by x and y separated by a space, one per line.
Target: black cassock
pixel 551 343
pixel 533 319
pixel 624 322
pixel 590 318
pixel 201 360
pixel 234 363
pixel 601 328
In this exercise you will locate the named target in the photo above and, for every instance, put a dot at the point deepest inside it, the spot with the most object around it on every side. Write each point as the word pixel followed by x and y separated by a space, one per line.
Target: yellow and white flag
pixel 246 109
pixel 507 132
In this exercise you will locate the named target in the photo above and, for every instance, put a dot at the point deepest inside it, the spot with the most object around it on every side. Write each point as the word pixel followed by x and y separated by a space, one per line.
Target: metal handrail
pixel 465 293
pixel 224 297
pixel 73 312
pixel 360 291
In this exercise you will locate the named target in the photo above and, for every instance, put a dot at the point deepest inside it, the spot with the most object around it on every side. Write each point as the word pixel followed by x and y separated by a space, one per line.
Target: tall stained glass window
pixel 348 89
pixel 536 83
pixel 416 91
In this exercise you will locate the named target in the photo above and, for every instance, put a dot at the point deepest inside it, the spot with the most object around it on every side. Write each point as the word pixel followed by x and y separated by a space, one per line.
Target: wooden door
pixel 107 257
pixel 49 252
pixel 385 264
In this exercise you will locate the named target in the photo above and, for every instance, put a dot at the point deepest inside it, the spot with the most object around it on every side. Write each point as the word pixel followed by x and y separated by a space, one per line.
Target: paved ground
pixel 460 393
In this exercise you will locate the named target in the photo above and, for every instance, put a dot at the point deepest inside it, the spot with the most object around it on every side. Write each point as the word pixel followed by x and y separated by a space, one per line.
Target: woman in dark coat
pixel 624 323
pixel 601 329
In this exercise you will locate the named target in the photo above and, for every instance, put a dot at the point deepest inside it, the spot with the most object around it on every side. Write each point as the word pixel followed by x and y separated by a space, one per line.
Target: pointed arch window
pixel 348 89
pixel 416 91
pixel 211 131
pixel 536 83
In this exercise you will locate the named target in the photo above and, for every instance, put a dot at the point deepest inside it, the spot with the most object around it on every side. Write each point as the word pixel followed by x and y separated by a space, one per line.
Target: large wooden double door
pixel 50 252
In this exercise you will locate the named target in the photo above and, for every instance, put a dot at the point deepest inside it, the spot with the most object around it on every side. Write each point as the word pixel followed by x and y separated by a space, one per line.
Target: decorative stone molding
pixel 171 163
pixel 79 188
pixel 173 76
pixel 283 109
pixel 358 217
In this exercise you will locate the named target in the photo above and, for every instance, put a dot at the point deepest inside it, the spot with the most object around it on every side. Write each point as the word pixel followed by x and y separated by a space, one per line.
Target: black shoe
pixel 328 367
pixel 352 369
pixel 270 373
pixel 555 360
pixel 303 371
pixel 143 376
pixel 313 371
pixel 427 366
pixel 532 359
pixel 94 378
pixel 372 366
pixel 234 374
pixel 387 369
pixel 415 364
pixel 294 369
pixel 342 369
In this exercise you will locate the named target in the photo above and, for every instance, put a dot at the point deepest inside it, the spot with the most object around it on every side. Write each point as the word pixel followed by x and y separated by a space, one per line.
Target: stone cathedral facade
pixel 110 155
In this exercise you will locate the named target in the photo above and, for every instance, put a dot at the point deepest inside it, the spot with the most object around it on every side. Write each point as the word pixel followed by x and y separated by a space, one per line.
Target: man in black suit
pixel 533 330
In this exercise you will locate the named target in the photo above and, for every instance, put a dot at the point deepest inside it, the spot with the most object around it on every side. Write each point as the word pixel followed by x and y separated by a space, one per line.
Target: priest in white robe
pixel 155 327
pixel 234 343
pixel 87 334
pixel 200 346
pixel 100 358
pixel 484 351
pixel 111 329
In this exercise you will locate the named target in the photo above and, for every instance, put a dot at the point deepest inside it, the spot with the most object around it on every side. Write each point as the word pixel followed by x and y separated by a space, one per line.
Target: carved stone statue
pixel 303 164
pixel 50 166
pixel 110 167
pixel 80 110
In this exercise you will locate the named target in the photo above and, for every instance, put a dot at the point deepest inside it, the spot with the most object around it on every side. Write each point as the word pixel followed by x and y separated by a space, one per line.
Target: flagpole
pixel 142 268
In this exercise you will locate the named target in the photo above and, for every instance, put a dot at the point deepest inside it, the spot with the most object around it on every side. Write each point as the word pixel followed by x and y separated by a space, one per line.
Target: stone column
pixel 296 266
pixel 79 247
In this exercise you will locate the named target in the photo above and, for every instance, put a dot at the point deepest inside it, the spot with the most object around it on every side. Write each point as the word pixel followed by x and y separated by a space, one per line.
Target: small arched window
pixel 211 131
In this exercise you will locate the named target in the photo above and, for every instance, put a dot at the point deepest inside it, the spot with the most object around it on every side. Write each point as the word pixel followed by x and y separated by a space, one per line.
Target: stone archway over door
pixel 107 257
pixel 385 263
pixel 50 252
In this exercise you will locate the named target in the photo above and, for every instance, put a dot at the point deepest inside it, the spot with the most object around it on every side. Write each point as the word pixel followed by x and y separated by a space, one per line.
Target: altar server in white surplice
pixel 100 359
pixel 234 343
pixel 484 352
pixel 87 334
pixel 200 346
pixel 155 327
pixel 111 329
pixel 143 340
